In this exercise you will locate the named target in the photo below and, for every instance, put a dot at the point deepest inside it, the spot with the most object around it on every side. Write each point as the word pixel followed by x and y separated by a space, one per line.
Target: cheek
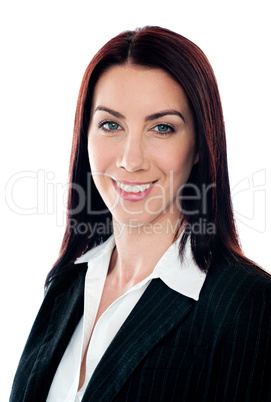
pixel 179 163
pixel 99 157
pixel 101 160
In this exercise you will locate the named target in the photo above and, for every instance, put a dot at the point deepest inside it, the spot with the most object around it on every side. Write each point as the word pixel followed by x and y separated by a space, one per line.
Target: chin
pixel 133 221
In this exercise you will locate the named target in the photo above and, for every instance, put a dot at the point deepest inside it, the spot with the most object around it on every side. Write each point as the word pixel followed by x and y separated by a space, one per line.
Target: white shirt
pixel 184 277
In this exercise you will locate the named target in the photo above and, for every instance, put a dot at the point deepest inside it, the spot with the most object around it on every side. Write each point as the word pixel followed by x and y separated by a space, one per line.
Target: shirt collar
pixel 183 276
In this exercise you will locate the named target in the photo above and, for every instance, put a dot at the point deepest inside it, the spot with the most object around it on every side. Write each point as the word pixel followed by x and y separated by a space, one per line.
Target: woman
pixel 168 307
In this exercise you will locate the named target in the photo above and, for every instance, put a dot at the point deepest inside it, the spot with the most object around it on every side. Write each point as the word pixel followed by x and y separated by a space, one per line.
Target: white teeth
pixel 133 189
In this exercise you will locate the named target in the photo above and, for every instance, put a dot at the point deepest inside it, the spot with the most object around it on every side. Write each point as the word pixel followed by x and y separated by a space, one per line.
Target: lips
pixel 136 188
pixel 133 191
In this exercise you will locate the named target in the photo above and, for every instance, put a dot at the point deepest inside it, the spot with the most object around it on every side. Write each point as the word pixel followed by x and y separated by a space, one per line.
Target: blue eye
pixel 164 129
pixel 111 125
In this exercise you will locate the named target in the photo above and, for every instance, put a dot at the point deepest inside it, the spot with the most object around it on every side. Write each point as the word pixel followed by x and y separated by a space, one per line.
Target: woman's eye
pixel 163 129
pixel 110 126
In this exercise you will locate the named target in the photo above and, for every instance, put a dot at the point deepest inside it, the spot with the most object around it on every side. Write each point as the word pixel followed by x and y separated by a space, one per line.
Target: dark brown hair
pixel 156 47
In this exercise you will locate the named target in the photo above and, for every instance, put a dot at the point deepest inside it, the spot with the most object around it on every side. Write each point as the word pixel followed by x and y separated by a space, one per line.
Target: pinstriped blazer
pixel 170 348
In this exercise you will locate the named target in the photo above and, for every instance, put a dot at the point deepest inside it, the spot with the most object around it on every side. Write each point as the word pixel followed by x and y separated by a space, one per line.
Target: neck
pixel 138 250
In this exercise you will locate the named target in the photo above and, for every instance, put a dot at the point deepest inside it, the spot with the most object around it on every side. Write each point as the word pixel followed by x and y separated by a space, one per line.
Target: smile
pixel 138 188
pixel 133 192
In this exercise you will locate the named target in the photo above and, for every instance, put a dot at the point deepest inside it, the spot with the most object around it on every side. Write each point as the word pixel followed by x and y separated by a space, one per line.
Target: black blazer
pixel 170 348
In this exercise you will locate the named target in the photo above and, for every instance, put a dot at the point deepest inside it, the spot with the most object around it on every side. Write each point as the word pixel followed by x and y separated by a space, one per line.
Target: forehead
pixel 132 84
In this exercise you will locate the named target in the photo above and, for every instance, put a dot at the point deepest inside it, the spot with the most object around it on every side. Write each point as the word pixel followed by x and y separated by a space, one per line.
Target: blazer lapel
pixel 62 310
pixel 158 311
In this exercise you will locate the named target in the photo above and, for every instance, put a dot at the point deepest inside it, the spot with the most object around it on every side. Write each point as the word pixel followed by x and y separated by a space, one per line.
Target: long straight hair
pixel 156 47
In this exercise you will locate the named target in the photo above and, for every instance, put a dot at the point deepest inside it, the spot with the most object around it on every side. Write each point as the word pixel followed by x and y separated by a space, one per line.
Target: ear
pixel 196 158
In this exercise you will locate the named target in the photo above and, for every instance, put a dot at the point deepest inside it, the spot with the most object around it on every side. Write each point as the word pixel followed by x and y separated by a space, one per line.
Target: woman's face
pixel 141 144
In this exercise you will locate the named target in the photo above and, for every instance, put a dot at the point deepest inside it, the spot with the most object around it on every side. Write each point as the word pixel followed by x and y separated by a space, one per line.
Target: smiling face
pixel 141 144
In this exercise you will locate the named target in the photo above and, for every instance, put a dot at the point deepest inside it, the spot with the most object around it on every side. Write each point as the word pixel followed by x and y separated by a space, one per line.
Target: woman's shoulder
pixel 231 283
pixel 234 270
pixel 71 276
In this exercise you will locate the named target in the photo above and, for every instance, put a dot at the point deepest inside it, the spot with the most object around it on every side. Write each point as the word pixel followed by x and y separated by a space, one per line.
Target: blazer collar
pixel 158 311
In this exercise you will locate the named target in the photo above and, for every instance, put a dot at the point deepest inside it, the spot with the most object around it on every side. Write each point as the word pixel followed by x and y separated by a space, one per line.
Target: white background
pixel 45 48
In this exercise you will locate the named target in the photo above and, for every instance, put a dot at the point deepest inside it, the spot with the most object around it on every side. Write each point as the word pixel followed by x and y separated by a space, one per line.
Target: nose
pixel 133 156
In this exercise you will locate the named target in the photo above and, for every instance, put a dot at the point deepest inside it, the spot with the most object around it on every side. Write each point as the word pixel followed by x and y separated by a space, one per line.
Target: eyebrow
pixel 151 117
pixel 164 113
pixel 111 111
